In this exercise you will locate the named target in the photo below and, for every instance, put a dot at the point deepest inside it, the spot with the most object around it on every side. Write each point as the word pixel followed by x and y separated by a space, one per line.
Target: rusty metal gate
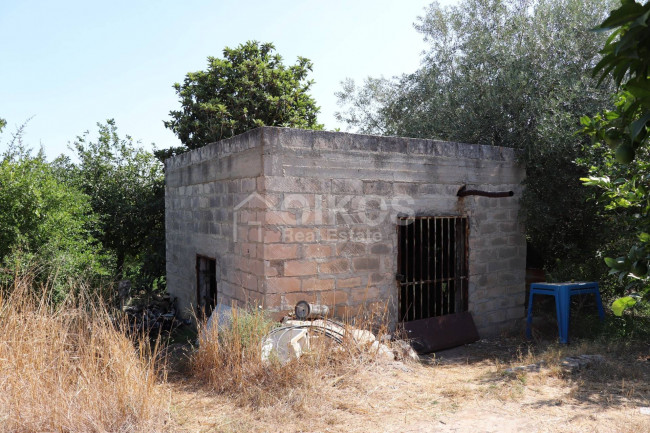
pixel 432 266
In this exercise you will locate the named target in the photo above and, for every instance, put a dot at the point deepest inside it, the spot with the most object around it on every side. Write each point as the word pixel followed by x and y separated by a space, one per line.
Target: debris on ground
pixel 151 316
pixel 403 351
pixel 569 364
pixel 530 368
pixel 222 314
pixel 382 351
pixel 292 339
pixel 285 343
pixel 572 363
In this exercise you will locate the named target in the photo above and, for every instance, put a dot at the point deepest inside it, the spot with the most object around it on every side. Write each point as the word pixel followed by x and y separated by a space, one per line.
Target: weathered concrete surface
pixel 320 225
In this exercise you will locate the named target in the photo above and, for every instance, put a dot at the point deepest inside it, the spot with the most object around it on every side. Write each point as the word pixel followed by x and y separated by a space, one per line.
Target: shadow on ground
pixel 622 378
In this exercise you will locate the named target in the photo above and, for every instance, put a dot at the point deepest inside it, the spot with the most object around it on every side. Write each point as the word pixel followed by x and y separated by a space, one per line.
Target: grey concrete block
pixel 381 248
pixel 296 184
pixel 297 138
pixel 365 263
pixel 471 151
pixel 393 145
pixel 347 186
pixel 434 148
pixel 406 188
pixel 325 141
pixel 379 188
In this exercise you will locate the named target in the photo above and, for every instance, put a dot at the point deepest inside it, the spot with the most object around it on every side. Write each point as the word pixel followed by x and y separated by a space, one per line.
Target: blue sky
pixel 71 64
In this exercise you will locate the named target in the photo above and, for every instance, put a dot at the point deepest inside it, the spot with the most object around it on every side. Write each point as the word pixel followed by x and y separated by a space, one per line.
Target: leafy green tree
pixel 623 172
pixel 507 73
pixel 126 188
pixel 44 223
pixel 249 87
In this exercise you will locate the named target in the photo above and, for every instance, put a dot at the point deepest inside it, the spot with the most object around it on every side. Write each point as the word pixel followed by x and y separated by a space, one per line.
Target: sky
pixel 67 65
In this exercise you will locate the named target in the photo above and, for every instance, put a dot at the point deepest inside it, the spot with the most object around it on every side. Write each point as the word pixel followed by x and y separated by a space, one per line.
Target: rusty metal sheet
pixel 442 332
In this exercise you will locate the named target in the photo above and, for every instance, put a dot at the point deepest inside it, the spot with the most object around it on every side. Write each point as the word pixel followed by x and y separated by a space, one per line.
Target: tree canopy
pixel 506 73
pixel 249 87
pixel 45 224
pixel 96 219
pixel 126 188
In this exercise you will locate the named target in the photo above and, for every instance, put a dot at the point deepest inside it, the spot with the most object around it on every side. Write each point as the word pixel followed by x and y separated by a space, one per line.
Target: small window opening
pixel 432 266
pixel 206 285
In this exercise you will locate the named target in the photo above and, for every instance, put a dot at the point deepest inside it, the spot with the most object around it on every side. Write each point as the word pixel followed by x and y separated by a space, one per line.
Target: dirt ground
pixel 465 389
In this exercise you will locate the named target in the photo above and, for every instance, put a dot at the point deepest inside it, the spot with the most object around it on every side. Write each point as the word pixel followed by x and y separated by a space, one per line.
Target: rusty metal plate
pixel 442 332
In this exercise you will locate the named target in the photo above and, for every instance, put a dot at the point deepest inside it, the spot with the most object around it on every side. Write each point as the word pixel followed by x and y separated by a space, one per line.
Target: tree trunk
pixel 120 265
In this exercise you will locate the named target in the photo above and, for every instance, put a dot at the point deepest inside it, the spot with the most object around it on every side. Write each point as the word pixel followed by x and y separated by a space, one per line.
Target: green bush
pixel 44 223
pixel 126 186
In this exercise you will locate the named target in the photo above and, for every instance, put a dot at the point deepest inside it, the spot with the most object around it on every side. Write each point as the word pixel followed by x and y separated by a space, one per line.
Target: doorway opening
pixel 206 285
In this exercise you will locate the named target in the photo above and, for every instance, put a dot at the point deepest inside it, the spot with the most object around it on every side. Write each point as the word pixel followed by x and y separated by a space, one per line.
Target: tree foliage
pixel 623 134
pixel 249 87
pixel 44 223
pixel 506 73
pixel 126 189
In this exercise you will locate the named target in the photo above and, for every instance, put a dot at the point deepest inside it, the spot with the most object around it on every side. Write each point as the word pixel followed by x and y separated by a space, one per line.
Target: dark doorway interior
pixel 206 285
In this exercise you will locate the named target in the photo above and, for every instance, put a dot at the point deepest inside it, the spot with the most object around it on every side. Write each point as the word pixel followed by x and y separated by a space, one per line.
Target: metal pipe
pixel 463 191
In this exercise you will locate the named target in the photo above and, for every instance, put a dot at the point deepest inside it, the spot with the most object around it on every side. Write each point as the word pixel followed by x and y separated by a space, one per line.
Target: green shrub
pixel 44 224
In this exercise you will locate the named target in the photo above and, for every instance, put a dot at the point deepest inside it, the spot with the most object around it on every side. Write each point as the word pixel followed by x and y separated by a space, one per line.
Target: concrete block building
pixel 279 215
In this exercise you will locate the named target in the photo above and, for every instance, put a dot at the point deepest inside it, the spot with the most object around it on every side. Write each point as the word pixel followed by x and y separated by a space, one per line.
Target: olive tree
pixel 125 184
pixel 507 73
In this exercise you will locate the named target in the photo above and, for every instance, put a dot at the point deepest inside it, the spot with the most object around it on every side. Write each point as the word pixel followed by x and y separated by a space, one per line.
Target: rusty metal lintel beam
pixel 463 191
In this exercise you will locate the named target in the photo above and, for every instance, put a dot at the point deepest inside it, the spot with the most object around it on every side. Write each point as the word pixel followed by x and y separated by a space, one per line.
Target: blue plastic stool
pixel 562 293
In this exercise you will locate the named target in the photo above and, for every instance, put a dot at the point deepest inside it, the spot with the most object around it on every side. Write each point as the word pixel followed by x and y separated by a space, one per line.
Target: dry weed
pixel 69 368
pixel 228 360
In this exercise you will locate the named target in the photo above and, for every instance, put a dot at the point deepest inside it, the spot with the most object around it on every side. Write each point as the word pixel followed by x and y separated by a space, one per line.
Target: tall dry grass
pixel 228 359
pixel 70 368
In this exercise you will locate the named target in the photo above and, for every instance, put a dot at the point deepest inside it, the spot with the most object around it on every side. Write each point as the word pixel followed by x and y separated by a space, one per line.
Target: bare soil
pixel 459 390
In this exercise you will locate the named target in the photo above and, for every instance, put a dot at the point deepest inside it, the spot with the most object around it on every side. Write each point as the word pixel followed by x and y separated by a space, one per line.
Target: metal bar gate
pixel 432 266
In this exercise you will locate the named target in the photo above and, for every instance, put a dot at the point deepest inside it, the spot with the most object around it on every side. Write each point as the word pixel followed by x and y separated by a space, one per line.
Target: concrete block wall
pixel 202 189
pixel 323 224
pixel 340 195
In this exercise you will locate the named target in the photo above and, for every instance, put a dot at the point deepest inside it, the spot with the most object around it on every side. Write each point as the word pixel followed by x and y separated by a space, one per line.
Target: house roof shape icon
pixel 251 196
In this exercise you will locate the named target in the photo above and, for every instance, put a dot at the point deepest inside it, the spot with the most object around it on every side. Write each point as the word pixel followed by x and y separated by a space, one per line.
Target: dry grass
pixel 70 369
pixel 228 360
pixel 464 389
pixel 463 392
